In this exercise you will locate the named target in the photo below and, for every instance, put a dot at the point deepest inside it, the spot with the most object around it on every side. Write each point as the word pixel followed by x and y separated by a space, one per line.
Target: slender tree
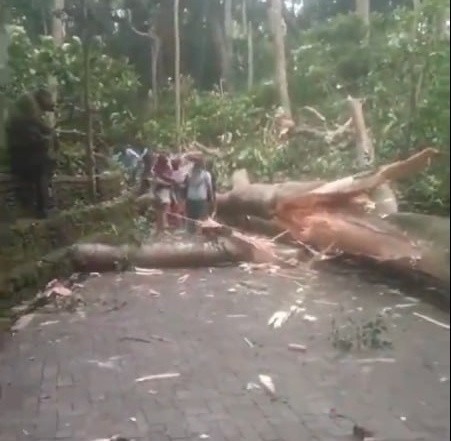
pixel 177 73
pixel 276 24
pixel 90 158
pixel 3 69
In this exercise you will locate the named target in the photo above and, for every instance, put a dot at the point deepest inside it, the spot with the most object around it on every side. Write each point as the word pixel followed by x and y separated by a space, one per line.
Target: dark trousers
pixel 196 210
pixel 34 192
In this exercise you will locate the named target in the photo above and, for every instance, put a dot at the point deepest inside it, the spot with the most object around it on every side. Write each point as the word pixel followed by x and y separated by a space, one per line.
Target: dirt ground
pixel 204 334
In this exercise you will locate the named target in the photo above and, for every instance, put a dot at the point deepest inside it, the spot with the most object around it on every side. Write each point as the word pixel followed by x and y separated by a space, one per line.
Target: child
pixel 199 194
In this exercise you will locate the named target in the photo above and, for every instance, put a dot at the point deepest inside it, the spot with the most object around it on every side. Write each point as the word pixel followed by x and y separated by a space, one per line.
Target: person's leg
pixel 166 204
pixel 158 216
pixel 24 192
pixel 204 209
pixel 42 184
pixel 190 209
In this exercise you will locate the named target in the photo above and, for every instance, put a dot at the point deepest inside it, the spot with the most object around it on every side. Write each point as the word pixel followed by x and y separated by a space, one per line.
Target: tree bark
pixel 228 37
pixel 4 43
pixel 177 74
pixel 250 56
pixel 362 9
pixel 155 48
pixel 276 25
pixel 58 34
pixel 90 157
pixel 102 258
pixel 218 37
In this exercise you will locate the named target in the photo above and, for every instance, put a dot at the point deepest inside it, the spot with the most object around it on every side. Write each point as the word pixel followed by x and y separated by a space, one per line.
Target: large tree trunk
pixel 101 258
pixel 342 217
pixel 276 24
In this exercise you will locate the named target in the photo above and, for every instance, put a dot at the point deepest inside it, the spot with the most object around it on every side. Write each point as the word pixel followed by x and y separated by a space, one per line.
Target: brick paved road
pixel 74 377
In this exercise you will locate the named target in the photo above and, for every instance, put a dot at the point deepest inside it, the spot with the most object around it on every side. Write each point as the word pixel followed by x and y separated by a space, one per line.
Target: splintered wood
pixel 338 216
pixel 258 249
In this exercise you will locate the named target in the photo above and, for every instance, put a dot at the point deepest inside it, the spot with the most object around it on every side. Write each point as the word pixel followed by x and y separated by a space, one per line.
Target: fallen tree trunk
pixel 103 258
pixel 261 199
pixel 339 217
pixel 356 191
pixel 222 251
pixel 342 216
pixel 432 234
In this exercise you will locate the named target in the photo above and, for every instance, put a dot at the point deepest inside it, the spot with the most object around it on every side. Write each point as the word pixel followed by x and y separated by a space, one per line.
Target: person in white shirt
pixel 199 194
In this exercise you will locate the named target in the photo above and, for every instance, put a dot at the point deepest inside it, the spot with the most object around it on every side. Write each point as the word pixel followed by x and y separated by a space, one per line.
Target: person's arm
pixel 134 154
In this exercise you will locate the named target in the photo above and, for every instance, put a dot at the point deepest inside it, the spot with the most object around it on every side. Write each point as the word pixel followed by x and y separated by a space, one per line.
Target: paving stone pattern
pixel 73 376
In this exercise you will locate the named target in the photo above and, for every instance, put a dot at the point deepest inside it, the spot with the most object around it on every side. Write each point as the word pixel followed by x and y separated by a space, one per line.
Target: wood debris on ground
pixel 268 385
pixel 164 376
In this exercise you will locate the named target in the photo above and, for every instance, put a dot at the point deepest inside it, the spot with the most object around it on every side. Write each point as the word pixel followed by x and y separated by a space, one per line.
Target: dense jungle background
pixel 233 63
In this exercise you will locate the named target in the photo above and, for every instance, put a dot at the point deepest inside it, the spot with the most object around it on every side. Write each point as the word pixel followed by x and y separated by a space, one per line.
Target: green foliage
pixel 400 67
pixel 206 117
pixel 402 71
pixel 113 82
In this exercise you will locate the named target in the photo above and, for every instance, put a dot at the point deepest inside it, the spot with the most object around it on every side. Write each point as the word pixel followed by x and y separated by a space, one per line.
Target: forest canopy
pixel 239 61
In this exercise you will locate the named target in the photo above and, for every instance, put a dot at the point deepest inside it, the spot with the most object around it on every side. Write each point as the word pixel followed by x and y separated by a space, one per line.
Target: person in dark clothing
pixel 30 141
pixel 148 160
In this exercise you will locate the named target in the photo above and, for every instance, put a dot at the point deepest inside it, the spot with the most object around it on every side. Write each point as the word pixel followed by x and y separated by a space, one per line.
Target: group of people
pixel 184 189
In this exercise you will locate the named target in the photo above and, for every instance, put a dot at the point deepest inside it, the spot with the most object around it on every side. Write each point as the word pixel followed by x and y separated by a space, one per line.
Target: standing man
pixel 199 194
pixel 31 143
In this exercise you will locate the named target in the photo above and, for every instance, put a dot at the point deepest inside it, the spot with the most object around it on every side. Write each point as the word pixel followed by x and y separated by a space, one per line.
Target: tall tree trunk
pixel 247 29
pixel 277 30
pixel 90 158
pixel 155 49
pixel 58 34
pixel 218 37
pixel 362 10
pixel 228 34
pixel 3 71
pixel 177 73
pixel 250 56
